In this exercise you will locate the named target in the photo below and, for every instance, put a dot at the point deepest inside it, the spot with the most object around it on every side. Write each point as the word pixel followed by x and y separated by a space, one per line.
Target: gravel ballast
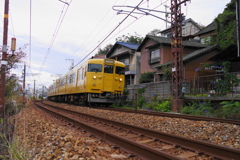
pixel 43 137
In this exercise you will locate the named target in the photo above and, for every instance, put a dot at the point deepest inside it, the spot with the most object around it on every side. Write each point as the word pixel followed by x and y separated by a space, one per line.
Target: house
pixel 156 54
pixel 189 29
pixel 229 54
pixel 207 33
pixel 126 53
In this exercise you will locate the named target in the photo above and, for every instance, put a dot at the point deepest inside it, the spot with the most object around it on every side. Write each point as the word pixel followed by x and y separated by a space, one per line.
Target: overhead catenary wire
pixel 30 34
pixel 98 44
pixel 88 40
pixel 58 26
pixel 108 34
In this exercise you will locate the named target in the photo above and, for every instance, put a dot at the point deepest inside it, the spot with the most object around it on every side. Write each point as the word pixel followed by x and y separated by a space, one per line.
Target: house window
pixel 126 62
pixel 155 56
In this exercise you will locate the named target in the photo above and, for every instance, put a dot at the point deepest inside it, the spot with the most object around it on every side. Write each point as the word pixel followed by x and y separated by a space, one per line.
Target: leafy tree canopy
pixel 105 50
pixel 130 38
pixel 226 26
pixel 154 32
pixel 124 38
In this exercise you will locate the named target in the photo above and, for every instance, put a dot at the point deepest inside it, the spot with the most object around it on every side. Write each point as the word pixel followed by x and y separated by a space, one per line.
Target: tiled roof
pixel 193 54
pixel 211 27
pixel 128 45
pixel 185 21
pixel 168 41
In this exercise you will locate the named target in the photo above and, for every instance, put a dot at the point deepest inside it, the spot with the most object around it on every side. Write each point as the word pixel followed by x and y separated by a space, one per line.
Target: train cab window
pixel 94 68
pixel 120 70
pixel 108 69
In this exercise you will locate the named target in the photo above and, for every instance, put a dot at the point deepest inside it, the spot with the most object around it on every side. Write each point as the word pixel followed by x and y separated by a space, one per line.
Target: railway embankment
pixel 44 137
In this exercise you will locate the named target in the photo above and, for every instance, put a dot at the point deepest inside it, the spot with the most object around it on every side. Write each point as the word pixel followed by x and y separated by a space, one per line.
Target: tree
pixel 146 77
pixel 105 50
pixel 12 81
pixel 16 57
pixel 154 32
pixel 130 38
pixel 226 26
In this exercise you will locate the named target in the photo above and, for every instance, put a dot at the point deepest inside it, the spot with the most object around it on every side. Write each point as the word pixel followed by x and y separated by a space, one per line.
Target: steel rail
pixel 143 151
pixel 176 115
pixel 200 146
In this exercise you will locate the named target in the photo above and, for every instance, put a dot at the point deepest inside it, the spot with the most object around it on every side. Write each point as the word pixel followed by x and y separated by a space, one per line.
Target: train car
pixel 94 81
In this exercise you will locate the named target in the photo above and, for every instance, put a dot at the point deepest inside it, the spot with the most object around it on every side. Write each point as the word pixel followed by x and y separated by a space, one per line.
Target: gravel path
pixel 44 138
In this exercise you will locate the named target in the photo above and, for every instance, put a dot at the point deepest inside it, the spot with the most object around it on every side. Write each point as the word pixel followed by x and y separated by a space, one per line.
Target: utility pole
pixel 238 26
pixel 166 15
pixel 34 90
pixel 42 91
pixel 24 81
pixel 72 65
pixel 4 58
pixel 176 49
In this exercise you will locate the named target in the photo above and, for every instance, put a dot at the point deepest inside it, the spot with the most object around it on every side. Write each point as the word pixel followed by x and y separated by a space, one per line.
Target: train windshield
pixel 94 68
pixel 120 70
pixel 108 69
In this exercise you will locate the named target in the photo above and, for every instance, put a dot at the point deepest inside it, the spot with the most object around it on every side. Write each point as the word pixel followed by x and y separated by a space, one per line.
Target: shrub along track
pixel 147 144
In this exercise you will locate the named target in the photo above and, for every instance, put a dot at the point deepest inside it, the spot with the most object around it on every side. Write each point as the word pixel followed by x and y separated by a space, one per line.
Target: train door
pixel 108 78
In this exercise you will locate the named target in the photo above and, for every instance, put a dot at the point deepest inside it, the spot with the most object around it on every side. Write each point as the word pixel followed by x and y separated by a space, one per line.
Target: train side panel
pixel 95 81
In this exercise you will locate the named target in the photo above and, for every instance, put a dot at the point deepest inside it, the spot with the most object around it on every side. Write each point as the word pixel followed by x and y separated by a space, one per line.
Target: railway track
pixel 173 115
pixel 145 143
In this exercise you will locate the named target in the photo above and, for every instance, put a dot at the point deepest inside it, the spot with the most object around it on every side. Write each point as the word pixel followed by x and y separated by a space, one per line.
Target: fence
pixel 223 86
pixel 161 89
pixel 219 85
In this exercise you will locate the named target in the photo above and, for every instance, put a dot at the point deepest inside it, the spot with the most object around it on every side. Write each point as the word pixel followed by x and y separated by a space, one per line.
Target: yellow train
pixel 94 81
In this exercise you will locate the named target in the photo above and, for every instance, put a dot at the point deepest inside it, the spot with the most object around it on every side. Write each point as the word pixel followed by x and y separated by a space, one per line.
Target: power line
pixel 30 34
pixel 108 34
pixel 98 44
pixel 61 18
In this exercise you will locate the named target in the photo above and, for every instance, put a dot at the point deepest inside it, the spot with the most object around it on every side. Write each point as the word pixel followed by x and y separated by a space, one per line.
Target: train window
pixel 62 82
pixel 82 73
pixel 108 69
pixel 71 78
pixel 120 70
pixel 79 74
pixel 94 68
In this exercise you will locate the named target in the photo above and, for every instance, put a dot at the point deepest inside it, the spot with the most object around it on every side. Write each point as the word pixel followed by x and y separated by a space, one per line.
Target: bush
pixel 164 106
pixel 230 109
pixel 146 77
pixel 198 109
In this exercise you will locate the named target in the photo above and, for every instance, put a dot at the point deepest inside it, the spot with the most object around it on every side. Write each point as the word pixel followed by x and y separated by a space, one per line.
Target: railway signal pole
pixel 4 58
pixel 176 49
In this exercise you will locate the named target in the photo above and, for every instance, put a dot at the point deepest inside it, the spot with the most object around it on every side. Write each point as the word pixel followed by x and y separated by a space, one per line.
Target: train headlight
pixel 94 77
pixel 120 80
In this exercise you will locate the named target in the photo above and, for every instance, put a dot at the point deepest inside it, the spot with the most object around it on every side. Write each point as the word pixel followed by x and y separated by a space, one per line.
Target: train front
pixel 105 81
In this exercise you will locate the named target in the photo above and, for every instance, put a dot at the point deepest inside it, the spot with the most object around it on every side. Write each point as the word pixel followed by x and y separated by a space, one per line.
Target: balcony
pixel 130 69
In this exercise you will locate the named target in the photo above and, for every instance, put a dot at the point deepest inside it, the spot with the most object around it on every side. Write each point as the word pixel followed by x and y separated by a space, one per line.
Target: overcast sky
pixel 59 31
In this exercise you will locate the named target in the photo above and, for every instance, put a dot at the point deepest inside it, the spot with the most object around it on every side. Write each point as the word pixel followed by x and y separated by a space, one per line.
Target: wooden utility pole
pixel 24 82
pixel 177 48
pixel 238 26
pixel 4 58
